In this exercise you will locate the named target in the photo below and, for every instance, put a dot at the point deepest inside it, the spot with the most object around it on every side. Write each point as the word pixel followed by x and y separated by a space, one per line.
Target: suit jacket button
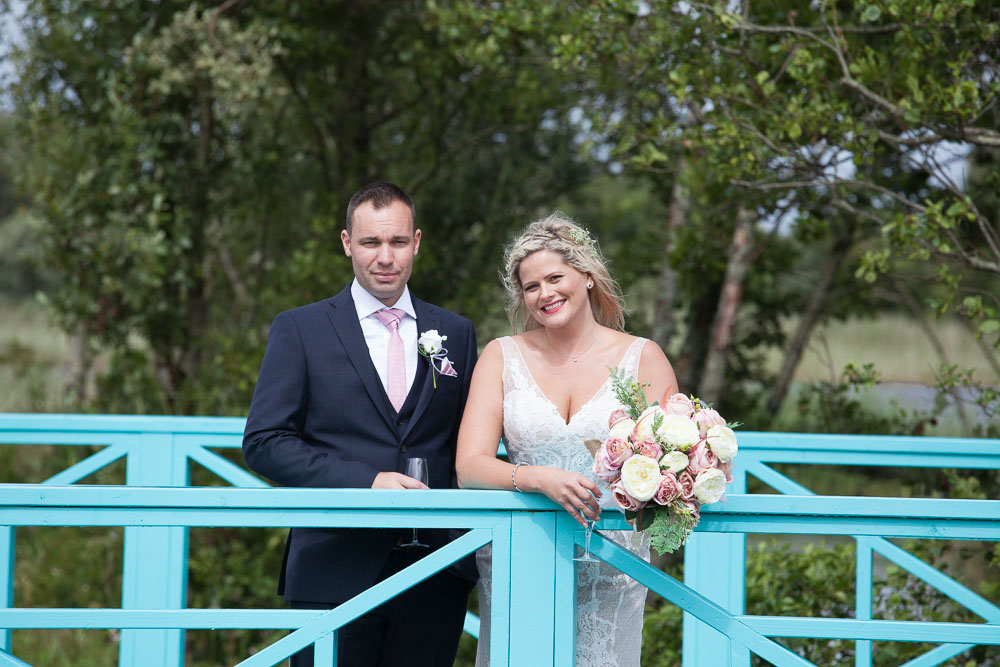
pixel 402 448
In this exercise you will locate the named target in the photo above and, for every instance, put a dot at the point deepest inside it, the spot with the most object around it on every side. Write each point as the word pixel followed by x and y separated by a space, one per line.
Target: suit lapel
pixel 344 318
pixel 425 320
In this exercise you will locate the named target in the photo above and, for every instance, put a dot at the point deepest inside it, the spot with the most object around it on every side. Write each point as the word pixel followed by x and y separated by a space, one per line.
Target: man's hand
pixel 396 480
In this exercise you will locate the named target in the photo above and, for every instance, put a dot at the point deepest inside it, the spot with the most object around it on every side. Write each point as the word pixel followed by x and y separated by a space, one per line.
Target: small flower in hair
pixel 580 236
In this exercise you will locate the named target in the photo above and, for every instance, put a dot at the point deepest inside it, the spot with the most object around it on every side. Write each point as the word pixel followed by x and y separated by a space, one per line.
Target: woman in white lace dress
pixel 547 390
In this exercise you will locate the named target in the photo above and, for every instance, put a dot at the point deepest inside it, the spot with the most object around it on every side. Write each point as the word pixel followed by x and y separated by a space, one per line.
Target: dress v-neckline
pixel 555 408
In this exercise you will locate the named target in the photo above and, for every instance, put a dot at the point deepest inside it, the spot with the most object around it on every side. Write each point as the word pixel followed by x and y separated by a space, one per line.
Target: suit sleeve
pixel 471 355
pixel 273 445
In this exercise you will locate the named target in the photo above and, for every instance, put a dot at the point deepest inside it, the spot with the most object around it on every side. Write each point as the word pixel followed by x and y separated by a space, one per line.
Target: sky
pixel 10 34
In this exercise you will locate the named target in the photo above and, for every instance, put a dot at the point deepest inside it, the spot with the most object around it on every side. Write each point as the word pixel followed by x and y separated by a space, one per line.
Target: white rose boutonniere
pixel 431 345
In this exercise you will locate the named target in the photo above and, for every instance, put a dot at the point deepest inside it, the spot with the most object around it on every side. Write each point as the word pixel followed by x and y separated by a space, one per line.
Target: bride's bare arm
pixel 655 369
pixel 479 437
pixel 482 425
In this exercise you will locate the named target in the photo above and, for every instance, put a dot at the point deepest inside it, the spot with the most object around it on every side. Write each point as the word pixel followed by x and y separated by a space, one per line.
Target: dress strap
pixel 632 357
pixel 514 369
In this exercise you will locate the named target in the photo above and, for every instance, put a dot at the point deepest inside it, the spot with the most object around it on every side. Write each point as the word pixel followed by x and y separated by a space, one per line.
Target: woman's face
pixel 554 292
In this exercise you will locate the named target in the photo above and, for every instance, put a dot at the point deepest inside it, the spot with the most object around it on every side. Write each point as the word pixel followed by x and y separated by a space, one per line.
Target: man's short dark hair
pixel 380 194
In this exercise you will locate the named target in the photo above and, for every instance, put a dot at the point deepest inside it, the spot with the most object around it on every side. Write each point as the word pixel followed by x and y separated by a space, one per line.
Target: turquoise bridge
pixel 533 608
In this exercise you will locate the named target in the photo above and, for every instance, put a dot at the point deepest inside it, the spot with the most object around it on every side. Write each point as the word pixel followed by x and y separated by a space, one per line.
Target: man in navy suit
pixel 343 399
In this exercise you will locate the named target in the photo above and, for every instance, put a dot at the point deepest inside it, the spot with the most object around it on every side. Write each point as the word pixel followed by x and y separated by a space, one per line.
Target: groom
pixel 343 399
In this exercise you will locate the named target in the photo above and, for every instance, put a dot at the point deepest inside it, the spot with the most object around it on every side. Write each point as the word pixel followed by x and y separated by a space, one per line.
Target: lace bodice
pixel 609 603
pixel 533 430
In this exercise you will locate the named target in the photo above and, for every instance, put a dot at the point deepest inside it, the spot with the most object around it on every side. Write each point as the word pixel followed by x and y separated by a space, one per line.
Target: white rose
pixel 722 441
pixel 430 341
pixel 679 431
pixel 674 461
pixel 622 429
pixel 641 477
pixel 709 485
pixel 644 425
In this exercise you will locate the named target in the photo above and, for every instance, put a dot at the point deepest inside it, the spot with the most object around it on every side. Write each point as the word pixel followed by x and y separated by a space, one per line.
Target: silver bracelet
pixel 512 480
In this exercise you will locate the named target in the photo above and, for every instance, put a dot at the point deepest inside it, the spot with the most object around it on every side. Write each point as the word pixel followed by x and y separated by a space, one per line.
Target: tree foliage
pixel 831 124
pixel 193 164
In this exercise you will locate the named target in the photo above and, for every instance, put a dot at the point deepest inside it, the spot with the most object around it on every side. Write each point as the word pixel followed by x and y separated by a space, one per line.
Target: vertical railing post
pixel 500 593
pixel 532 589
pixel 528 623
pixel 565 590
pixel 7 537
pixel 715 566
pixel 154 574
pixel 863 598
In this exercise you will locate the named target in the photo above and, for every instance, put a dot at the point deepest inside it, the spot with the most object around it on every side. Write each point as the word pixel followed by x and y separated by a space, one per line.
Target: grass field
pixel 33 357
pixel 895 344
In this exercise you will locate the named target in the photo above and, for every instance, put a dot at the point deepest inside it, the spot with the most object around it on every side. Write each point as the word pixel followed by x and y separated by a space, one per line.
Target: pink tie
pixel 396 377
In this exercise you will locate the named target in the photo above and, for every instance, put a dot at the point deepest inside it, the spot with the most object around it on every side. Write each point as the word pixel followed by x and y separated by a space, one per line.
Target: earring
pixel 590 285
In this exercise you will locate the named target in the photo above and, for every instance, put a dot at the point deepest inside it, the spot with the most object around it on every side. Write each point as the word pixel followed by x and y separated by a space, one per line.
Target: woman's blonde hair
pixel 559 234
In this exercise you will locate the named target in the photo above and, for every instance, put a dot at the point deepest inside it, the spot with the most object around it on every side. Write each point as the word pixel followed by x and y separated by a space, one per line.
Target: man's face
pixel 381 245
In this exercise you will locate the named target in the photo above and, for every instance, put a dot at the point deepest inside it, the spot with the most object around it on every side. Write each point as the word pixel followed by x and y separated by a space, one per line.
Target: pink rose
pixel 617 415
pixel 679 404
pixel 727 468
pixel 648 447
pixel 694 507
pixel 603 467
pixel 701 457
pixel 706 418
pixel 685 484
pixel 618 451
pixel 624 500
pixel 668 489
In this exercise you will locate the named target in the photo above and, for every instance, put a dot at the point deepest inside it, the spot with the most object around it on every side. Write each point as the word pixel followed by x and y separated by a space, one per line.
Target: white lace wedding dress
pixel 609 603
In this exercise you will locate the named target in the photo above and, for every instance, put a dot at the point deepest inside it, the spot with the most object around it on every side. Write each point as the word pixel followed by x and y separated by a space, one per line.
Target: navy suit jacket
pixel 320 417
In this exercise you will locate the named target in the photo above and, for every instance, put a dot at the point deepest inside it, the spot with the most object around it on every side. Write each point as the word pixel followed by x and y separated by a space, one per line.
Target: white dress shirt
pixel 377 334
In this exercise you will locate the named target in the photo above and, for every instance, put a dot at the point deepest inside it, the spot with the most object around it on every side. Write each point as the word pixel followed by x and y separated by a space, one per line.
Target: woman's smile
pixel 553 307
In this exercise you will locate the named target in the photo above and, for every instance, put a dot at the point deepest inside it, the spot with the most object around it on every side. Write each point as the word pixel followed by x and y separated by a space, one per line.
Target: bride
pixel 547 390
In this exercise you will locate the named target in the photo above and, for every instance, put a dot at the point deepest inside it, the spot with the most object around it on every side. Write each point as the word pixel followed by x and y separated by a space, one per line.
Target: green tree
pixel 192 165
pixel 775 130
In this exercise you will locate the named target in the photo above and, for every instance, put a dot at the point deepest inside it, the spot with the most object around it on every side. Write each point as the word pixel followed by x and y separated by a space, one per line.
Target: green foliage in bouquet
pixel 669 530
pixel 629 392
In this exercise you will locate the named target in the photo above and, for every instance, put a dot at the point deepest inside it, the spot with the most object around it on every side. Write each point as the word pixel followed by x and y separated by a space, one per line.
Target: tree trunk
pixel 817 299
pixel 689 362
pixel 662 328
pixel 76 370
pixel 713 379
pixel 180 363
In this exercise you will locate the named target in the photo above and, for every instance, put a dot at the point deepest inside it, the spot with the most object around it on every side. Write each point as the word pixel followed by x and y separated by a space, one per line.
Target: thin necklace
pixel 572 358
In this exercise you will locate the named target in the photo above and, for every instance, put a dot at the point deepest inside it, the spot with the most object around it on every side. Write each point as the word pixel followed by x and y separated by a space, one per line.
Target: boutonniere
pixel 430 345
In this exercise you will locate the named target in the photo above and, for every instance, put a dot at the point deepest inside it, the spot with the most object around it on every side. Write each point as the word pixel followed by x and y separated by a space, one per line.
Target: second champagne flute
pixel 417 469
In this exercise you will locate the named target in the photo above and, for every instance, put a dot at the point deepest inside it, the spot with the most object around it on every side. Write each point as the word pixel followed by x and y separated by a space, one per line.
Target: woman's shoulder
pixel 624 342
pixel 655 369
pixel 496 348
pixel 527 341
pixel 652 353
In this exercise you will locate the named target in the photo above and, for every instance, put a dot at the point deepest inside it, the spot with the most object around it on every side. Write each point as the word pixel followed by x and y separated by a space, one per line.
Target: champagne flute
pixel 586 557
pixel 417 469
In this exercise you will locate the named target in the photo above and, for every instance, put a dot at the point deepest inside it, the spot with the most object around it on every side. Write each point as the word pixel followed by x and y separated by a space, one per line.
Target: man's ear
pixel 345 238
pixel 416 242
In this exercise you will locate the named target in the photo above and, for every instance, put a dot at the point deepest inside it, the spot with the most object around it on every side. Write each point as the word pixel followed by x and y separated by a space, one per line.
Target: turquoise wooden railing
pixel 708 555
pixel 533 614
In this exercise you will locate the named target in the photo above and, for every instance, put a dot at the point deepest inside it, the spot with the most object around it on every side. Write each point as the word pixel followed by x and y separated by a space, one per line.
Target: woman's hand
pixel 577 494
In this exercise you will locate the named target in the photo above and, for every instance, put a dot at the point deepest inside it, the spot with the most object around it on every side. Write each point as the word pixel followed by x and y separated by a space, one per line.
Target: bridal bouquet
pixel 663 462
